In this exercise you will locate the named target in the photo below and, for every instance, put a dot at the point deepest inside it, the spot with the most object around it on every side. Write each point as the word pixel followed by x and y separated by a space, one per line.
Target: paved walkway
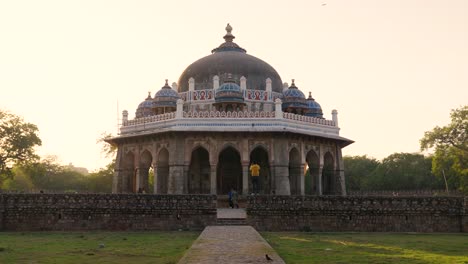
pixel 230 244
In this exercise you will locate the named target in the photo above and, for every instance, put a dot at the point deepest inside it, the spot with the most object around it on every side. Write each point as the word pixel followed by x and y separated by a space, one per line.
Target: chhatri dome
pixel 229 58
pixel 228 111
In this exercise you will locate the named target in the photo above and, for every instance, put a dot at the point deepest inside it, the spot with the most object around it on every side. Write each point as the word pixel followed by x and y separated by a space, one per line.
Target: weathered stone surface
pixel 369 214
pixel 20 212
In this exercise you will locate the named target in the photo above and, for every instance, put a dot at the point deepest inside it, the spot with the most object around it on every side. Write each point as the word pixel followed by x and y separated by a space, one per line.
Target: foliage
pixel 358 171
pixel 101 180
pixel 84 247
pixel 369 247
pixel 404 171
pixel 17 142
pixel 450 145
pixel 398 171
pixel 108 149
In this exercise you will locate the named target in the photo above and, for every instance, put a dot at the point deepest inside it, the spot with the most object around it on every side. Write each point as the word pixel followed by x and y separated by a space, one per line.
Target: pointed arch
pixel 146 158
pixel 259 155
pixel 312 173
pixel 199 172
pixel 229 170
pixel 162 171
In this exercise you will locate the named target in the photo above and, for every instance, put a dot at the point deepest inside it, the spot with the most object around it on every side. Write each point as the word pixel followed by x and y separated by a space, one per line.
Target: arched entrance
pixel 295 172
pixel 260 156
pixel 312 173
pixel 229 171
pixel 145 165
pixel 328 174
pixel 199 172
pixel 162 171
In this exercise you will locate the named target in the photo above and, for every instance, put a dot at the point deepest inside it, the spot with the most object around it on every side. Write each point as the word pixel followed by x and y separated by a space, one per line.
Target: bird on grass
pixel 268 258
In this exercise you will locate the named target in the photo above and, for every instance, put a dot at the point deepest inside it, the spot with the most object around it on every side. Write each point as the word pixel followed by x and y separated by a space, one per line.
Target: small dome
pixel 145 108
pixel 166 97
pixel 229 92
pixel 293 98
pixel 314 108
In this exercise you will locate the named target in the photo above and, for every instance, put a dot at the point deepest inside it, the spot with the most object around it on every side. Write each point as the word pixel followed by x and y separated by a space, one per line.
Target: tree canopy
pixel 17 141
pixel 450 144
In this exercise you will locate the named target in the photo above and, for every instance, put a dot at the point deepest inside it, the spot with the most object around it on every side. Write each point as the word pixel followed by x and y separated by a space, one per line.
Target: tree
pixel 404 171
pixel 17 142
pixel 358 170
pixel 450 144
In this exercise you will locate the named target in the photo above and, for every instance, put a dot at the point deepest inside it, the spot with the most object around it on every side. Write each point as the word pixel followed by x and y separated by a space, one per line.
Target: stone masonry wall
pixel 362 214
pixel 37 212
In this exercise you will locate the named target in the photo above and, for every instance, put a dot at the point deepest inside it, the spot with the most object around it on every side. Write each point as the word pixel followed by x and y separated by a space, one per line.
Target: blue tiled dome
pixel 166 97
pixel 294 98
pixel 145 108
pixel 314 108
pixel 229 92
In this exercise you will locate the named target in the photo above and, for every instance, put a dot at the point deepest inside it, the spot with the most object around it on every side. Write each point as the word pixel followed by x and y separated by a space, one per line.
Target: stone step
pixel 231 221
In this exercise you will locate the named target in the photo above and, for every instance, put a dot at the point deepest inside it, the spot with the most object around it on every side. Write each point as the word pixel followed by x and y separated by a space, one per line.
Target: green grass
pixel 84 247
pixel 369 247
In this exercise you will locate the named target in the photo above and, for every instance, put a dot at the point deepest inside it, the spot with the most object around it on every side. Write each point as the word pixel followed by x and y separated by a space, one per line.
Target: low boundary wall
pixel 41 212
pixel 361 214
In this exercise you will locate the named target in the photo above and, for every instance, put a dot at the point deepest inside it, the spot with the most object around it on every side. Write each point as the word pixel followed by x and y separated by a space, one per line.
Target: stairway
pixel 231 217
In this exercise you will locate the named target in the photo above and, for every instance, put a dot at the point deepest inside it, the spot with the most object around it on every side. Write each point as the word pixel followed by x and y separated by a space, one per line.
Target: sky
pixel 393 69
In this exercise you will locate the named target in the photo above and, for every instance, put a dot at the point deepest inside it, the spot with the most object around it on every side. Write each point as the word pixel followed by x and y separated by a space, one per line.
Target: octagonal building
pixel 228 111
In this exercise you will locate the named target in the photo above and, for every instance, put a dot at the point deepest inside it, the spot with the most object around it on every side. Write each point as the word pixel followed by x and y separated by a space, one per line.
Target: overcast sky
pixel 392 69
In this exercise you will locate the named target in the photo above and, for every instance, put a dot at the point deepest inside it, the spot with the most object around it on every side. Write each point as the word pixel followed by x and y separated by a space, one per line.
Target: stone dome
pixel 293 98
pixel 166 97
pixel 229 92
pixel 230 58
pixel 145 108
pixel 314 108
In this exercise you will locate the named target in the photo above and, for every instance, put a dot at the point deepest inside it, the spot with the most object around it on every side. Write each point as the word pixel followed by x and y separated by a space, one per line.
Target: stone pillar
pixel 319 179
pixel 191 84
pixel 155 180
pixel 117 178
pixel 243 83
pixel 213 179
pixel 282 185
pixel 176 179
pixel 245 178
pixel 340 172
pixel 179 109
pixel 138 182
pixel 215 82
pixel 124 117
pixel 302 181
pixel 278 110
pixel 335 117
pixel 268 85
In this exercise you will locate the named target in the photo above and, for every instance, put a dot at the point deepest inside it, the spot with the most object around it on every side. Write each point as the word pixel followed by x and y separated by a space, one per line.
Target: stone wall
pixel 362 214
pixel 34 212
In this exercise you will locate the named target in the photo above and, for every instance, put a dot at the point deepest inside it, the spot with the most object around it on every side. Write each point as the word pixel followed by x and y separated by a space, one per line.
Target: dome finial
pixel 228 37
pixel 167 81
pixel 149 94
pixel 310 95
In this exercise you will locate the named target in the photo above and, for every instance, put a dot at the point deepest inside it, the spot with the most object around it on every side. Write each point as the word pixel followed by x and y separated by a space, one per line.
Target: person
pixel 255 172
pixel 231 205
pixel 234 198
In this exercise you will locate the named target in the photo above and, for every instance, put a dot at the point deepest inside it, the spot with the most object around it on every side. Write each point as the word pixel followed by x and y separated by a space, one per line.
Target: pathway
pixel 230 244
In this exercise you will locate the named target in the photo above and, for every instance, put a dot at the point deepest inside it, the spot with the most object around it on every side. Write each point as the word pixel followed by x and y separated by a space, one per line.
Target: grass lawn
pixel 94 247
pixel 369 247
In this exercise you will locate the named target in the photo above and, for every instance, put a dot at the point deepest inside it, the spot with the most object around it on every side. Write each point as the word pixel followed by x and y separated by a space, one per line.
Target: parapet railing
pixel 229 114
